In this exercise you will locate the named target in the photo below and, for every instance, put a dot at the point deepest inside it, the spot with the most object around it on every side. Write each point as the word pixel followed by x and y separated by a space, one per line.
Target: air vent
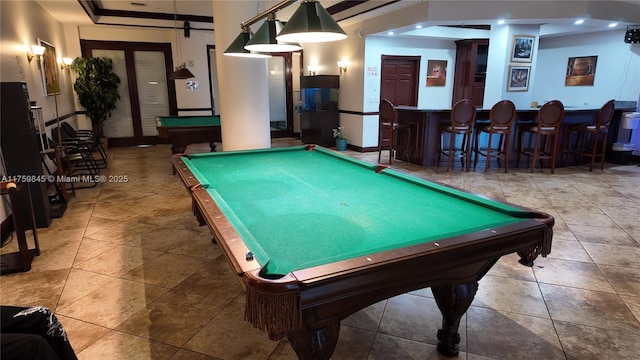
pixel 138 4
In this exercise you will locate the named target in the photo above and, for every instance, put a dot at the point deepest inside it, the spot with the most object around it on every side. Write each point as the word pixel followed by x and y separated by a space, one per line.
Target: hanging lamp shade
pixel 311 23
pixel 264 40
pixel 181 73
pixel 237 46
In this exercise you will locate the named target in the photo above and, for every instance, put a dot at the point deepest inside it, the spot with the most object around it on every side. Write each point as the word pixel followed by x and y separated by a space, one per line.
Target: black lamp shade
pixel 237 47
pixel 311 23
pixel 181 73
pixel 264 40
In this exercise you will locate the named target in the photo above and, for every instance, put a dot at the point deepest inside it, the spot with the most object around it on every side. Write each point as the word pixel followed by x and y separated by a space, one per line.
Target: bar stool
pixel 547 129
pixel 501 121
pixel 388 129
pixel 463 115
pixel 591 139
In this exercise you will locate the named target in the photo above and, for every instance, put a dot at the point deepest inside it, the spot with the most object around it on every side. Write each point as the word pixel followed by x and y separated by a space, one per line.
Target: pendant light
pixel 181 71
pixel 311 23
pixel 264 40
pixel 237 46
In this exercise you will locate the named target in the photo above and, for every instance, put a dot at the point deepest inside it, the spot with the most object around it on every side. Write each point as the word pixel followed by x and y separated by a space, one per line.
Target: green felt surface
pixel 296 208
pixel 175 121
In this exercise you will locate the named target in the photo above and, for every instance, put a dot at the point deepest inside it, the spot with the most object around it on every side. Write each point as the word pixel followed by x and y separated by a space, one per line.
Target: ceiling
pixel 161 14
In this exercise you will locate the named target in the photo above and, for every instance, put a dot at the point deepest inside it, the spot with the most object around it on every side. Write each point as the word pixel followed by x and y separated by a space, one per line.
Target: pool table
pixel 185 130
pixel 314 236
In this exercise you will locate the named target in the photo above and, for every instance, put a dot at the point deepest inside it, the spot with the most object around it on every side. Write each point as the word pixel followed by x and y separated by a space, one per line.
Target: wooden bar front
pixel 425 138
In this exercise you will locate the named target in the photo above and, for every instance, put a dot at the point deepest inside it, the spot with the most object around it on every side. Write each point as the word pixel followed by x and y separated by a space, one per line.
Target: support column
pixel 242 82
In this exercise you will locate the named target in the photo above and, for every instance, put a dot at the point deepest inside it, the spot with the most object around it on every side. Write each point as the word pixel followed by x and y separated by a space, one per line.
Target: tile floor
pixel 132 276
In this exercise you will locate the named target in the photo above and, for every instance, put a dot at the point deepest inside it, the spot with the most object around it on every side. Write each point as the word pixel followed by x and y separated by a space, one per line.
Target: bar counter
pixel 424 141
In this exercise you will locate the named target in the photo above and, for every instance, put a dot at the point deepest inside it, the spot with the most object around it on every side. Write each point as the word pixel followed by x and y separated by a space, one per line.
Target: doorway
pixel 144 90
pixel 399 79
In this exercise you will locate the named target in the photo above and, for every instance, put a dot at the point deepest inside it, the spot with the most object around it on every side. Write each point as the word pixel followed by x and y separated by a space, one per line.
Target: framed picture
pixel 522 48
pixel 436 72
pixel 518 78
pixel 49 67
pixel 581 71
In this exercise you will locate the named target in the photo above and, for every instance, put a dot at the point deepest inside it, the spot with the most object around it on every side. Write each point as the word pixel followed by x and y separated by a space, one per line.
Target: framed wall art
pixel 522 48
pixel 49 67
pixel 518 78
pixel 581 71
pixel 436 72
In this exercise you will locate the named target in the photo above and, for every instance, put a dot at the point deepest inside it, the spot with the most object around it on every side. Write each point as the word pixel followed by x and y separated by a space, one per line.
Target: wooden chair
pixel 591 139
pixel 463 116
pixel 388 129
pixel 501 122
pixel 547 129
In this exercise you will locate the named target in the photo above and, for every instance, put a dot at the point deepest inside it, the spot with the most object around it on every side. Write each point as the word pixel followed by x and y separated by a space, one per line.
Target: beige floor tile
pixel 387 347
pixel 584 342
pixel 602 235
pixel 166 270
pixel 415 318
pixel 510 295
pixel 113 303
pixel 220 336
pixel 121 346
pixel 353 344
pixel 367 318
pixel 615 255
pixel 173 318
pixel 81 283
pixel 572 273
pixel 119 260
pixel 215 280
pixel 82 334
pixel 624 280
pixel 490 332
pixel 633 302
pixel 589 308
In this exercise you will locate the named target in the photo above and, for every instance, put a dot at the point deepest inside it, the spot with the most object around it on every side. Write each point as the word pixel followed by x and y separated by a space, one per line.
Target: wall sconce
pixel 65 63
pixel 312 69
pixel 37 51
pixel 342 65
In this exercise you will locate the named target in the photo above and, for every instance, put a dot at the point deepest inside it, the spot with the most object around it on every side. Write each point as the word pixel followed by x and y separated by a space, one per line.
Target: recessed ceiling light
pixel 418 26
pixel 390 33
pixel 501 22
pixel 579 21
pixel 613 24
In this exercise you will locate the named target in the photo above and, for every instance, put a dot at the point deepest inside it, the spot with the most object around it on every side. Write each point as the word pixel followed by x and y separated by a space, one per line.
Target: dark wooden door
pixel 399 79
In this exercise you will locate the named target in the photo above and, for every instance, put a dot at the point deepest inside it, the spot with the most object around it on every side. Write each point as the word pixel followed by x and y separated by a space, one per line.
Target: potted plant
pixel 341 140
pixel 97 88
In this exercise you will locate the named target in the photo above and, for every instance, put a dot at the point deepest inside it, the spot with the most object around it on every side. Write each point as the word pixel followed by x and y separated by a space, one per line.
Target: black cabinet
pixel 21 149
pixel 319 109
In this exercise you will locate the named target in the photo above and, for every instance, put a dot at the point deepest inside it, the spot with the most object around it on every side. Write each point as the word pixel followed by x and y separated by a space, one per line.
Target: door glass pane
pixel 152 89
pixel 277 93
pixel 120 123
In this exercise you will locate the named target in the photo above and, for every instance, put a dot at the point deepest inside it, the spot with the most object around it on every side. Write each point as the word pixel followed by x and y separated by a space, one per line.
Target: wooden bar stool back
pixel 463 116
pixel 546 133
pixel 591 139
pixel 501 122
pixel 388 130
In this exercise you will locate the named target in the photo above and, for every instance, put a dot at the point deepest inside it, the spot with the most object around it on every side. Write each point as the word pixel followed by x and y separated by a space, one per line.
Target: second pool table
pixel 315 236
pixel 182 131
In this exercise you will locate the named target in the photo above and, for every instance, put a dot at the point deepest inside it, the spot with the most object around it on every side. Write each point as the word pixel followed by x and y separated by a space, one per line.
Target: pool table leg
pixel 529 255
pixel 212 146
pixel 316 344
pixel 453 301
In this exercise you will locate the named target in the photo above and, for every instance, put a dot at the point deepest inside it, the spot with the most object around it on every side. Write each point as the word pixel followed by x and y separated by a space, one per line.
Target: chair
pixel 88 138
pixel 591 139
pixel 547 129
pixel 463 116
pixel 78 155
pixel 501 121
pixel 388 129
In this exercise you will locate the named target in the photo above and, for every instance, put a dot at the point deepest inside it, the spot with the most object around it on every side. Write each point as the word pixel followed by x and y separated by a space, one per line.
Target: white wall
pixel 617 71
